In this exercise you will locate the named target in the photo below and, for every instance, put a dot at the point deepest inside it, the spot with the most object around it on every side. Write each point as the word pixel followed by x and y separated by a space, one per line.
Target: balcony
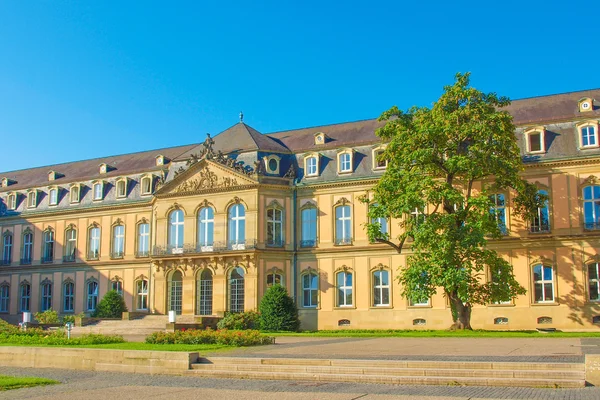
pixel 142 254
pixel 308 243
pixel 47 259
pixel 158 251
pixel 25 261
pixel 545 228
pixel 69 258
pixel 117 254
pixel 344 241
pixel 278 242
pixel 93 255
pixel 5 262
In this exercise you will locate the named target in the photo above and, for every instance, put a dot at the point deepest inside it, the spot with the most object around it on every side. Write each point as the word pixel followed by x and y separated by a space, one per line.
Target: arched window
pixel 48 247
pixel 275 226
pixel 27 251
pixel 204 293
pixel 206 228
pixel 46 295
pixel 381 288
pixel 117 285
pixel 25 297
pixel 176 292
pixel 311 165
pixel 175 239
pixel 236 290
pixel 7 244
pixel 4 297
pixel 543 283
pixel 541 221
pixel 143 239
pixel 498 211
pixel 274 278
pixel 310 289
pixel 118 241
pixel 141 294
pixel 591 207
pixel 121 188
pixel 588 135
pixel 98 191
pixel 94 243
pixel 146 184
pixel 308 218
pixel 237 227
pixel 92 295
pixel 343 225
pixel 53 196
pixel 344 289
pixel 68 296
pixel 70 245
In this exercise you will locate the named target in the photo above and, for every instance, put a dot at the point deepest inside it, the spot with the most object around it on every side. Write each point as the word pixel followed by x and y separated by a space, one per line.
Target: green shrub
pixel 112 305
pixel 11 334
pixel 240 321
pixel 209 336
pixel 278 311
pixel 68 319
pixel 47 317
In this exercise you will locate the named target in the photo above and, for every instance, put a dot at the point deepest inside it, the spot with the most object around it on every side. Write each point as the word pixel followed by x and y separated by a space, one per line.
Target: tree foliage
pixel 278 311
pixel 445 161
pixel 112 305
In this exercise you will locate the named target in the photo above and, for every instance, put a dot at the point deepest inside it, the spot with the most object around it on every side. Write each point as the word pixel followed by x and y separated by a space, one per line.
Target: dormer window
pixel 586 104
pixel 379 163
pixel 98 190
pixel 588 134
pixel 161 160
pixel 53 196
pixel 311 165
pixel 7 182
pixel 11 201
pixel 320 138
pixel 32 199
pixel 75 190
pixel 53 175
pixel 146 184
pixel 272 164
pixel 103 168
pixel 345 161
pixel 535 140
pixel 122 188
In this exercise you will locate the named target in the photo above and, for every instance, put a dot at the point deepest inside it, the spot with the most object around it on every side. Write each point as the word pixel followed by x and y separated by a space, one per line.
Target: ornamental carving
pixel 591 180
pixel 206 179
pixel 342 202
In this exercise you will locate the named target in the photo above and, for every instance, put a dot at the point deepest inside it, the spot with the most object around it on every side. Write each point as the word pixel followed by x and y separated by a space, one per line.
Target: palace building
pixel 205 229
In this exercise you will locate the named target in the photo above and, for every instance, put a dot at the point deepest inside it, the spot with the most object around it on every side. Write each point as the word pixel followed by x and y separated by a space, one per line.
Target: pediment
pixel 206 175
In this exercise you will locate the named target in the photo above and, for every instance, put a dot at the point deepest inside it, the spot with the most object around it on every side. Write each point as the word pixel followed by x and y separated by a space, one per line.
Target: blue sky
pixel 95 78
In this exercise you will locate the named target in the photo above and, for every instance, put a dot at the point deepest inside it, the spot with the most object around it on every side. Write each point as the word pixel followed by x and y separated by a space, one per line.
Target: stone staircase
pixel 522 374
pixel 144 325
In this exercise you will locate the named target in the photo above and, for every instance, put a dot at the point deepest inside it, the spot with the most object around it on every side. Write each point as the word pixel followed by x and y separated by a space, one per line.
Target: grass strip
pixel 18 382
pixel 137 346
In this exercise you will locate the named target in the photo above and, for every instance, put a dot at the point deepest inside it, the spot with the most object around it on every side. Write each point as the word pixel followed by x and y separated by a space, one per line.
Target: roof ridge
pixel 321 126
pixel 555 94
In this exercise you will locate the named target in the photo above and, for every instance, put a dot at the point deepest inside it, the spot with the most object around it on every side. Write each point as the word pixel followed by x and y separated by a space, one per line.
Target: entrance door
pixel 175 292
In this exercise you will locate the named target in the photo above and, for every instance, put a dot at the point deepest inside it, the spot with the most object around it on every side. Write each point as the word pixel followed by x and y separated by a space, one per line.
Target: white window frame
pixel 381 288
pixel 7 247
pixel 94 241
pixel 32 199
pixel 586 126
pixel 27 248
pixel 535 131
pixel 117 285
pixel 374 155
pixel 236 236
pixel 593 201
pixel 11 201
pixel 142 290
pixel 206 242
pixel 543 282
pixel 121 189
pixel 310 289
pixel 173 240
pixel 274 224
pixel 346 220
pixel 74 194
pixel 595 281
pixel 53 196
pixel 311 165
pixel 91 296
pixel 118 241
pixel 143 181
pixel 345 289
pixel 272 277
pixel 70 243
pixel 98 191
pixel 495 207
pixel 143 239
pixel 305 224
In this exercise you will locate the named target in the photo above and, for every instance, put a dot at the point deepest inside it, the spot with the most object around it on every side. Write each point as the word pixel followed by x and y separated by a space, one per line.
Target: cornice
pixel 51 267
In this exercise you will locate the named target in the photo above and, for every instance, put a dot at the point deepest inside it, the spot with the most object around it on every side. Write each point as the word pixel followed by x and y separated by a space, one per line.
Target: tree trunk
pixel 461 313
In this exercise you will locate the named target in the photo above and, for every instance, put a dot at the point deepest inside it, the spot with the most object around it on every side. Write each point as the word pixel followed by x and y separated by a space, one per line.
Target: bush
pixel 209 336
pixel 47 317
pixel 14 335
pixel 240 321
pixel 278 311
pixel 112 305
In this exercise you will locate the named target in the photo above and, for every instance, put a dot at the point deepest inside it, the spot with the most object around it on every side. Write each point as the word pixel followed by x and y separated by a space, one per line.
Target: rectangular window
pixel 309 227
pixel 53 197
pixel 74 194
pixel 98 191
pixel 143 240
pixel 118 287
pixel 12 202
pixel 535 142
pixel 274 227
pixel 32 199
pixel 48 249
pixel 4 298
pixel 142 295
pixel 543 281
pixel 311 166
pixel 118 249
pixel 92 295
pixel 379 162
pixel 25 295
pixel 345 162
pixel 7 243
pixel 498 211
pixel 344 289
pixel 343 225
pixel 310 293
pixel 381 288
pixel 121 189
pixel 46 296
pixel 593 282
pixel 588 136
pixel 68 296
pixel 146 185
pixel 27 248
pixel 541 221
pixel 94 245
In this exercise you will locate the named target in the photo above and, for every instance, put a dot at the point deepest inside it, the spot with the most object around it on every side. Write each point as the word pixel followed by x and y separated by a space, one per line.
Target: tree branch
pixel 397 247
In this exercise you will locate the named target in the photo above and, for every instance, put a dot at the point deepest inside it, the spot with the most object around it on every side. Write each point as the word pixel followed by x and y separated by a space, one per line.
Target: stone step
pixel 392 379
pixel 439 372
pixel 496 365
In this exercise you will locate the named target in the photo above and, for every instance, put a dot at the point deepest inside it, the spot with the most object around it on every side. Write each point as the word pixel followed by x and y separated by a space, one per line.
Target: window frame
pixel 308 165
pixel 535 131
pixel 594 201
pixel 48 245
pixel 580 130
pixel 381 288
pixel 273 274
pixel 144 179
pixel 494 211
pixel 24 296
pixel 142 251
pixel 75 194
pixel 596 280
pixel 91 239
pixel 310 305
pixel 121 188
pixel 68 297
pixel 32 198
pixel 175 229
pixel 204 300
pixel 233 288
pixel 140 295
pixel 4 297
pixel 70 244
pixel 543 282
pixel 309 243
pixel 51 201
pixel 91 297
pixel 236 224
pixel 27 247
pixel 343 241
pixel 205 226
pixel 98 194
pixel 11 201
pixel 46 296
pixel 271 238
pixel 116 253
pixel 345 161
pixel 8 241
pixel 374 155
pixel 539 227
pixel 345 288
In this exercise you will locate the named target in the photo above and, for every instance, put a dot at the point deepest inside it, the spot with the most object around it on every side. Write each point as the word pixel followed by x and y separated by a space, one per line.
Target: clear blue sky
pixel 84 79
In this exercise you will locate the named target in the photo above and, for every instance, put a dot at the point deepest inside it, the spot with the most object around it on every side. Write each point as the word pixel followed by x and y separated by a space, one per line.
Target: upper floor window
pixel 345 162
pixel 541 221
pixel 206 228
pixel 27 252
pixel 48 246
pixel 70 245
pixel 543 283
pixel 143 241
pixel 344 289
pixel 417 216
pixel 118 245
pixel 379 162
pixel 11 201
pixel 591 207
pixel 381 288
pixel 535 140
pixel 274 226
pixel 53 196
pixel 98 191
pixel 121 188
pixel 175 236
pixel 593 281
pixel 310 289
pixel 32 199
pixel 589 135
pixel 308 218
pixel 146 184
pixel 343 225
pixel 75 194
pixel 311 166
pixel 7 244
pixel 237 227
pixel 94 243
pixel 383 223
pixel 498 211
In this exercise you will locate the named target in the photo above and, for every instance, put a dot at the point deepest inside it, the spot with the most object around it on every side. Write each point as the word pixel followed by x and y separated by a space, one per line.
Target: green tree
pixel 278 311
pixel 112 305
pixel 445 162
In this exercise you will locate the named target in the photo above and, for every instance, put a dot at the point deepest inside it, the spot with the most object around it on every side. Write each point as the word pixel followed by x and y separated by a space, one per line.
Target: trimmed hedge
pixel 209 336
pixel 240 321
pixel 278 311
pixel 112 305
pixel 14 335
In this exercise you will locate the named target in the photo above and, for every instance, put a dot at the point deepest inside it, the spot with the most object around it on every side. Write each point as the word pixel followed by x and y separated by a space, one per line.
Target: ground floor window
pixel 381 288
pixel 142 294
pixel 68 296
pixel 236 290
pixel 543 283
pixel 92 295
pixel 310 289
pixel 204 293
pixel 4 298
pixel 46 296
pixel 25 297
pixel 176 293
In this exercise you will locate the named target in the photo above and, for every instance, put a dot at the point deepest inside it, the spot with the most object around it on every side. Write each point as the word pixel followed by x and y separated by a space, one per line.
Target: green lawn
pixel 18 382
pixel 139 346
pixel 440 333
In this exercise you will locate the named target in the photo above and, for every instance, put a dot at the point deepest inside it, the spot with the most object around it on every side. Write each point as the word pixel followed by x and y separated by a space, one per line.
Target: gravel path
pixel 103 385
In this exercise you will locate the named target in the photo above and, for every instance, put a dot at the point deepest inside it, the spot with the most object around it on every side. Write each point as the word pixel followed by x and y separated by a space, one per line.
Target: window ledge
pixel 595 146
pixel 537 152
pixel 501 305
pixel 344 308
pixel 550 303
pixel 418 306
pixel 388 307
